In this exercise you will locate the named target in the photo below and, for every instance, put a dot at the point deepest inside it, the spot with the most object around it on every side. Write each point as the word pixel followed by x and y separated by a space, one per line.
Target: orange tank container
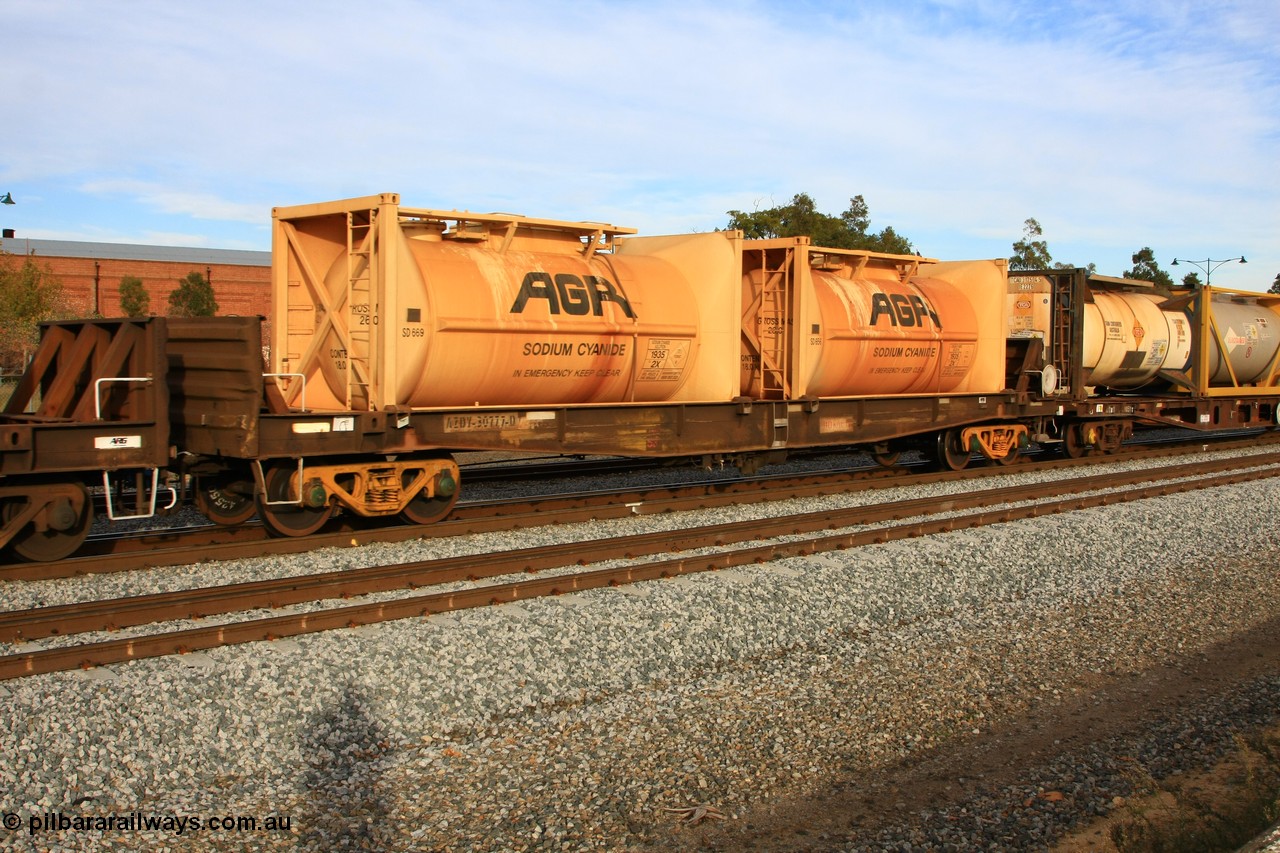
pixel 890 337
pixel 869 324
pixel 392 307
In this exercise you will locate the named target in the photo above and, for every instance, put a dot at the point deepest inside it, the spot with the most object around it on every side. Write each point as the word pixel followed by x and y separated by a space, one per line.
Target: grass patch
pixel 1217 811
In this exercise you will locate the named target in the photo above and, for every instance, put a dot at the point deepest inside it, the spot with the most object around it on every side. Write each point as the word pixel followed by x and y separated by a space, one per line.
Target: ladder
pixel 1064 310
pixel 772 338
pixel 362 308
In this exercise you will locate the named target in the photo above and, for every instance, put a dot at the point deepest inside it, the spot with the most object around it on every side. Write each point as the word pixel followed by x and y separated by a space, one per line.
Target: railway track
pixel 175 546
pixel 792 535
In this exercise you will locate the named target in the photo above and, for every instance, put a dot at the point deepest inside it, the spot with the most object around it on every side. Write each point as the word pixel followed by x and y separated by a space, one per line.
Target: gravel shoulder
pixel 1030 769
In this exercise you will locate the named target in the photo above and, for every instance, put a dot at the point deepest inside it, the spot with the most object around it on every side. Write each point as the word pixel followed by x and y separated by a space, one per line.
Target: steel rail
pixel 167 549
pixel 117 613
pixel 205 637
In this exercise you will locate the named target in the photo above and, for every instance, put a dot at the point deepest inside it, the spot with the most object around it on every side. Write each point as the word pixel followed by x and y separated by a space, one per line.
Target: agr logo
pixel 568 292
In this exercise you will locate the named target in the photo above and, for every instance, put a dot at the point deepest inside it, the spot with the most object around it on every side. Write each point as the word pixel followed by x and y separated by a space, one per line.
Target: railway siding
pixel 700 549
pixel 579 724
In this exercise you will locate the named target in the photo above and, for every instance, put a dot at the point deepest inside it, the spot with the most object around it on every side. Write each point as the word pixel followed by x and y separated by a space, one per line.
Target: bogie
pixel 50 523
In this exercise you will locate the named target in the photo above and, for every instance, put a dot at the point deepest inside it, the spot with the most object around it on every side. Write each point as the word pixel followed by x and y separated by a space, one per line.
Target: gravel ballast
pixel 571 723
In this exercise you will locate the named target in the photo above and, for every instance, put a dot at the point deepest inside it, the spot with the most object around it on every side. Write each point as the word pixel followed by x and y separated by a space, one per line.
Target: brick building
pixel 91 272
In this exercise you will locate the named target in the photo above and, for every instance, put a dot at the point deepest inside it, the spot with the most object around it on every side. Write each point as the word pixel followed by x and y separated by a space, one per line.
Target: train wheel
pixel 1010 457
pixel 62 536
pixel 287 519
pixel 223 504
pixel 951 454
pixel 1073 446
pixel 884 456
pixel 424 509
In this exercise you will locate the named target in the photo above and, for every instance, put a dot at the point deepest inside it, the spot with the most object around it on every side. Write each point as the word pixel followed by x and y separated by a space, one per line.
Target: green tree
pixel 1275 285
pixel 1145 268
pixel 801 218
pixel 1192 280
pixel 1032 251
pixel 29 294
pixel 134 299
pixel 193 297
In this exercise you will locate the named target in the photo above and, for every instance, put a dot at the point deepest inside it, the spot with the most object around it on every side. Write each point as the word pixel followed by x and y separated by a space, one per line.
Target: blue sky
pixel 1117 125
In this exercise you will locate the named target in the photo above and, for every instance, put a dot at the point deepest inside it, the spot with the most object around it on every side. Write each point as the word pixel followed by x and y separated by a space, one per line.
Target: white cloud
pixel 1117 125
pixel 167 201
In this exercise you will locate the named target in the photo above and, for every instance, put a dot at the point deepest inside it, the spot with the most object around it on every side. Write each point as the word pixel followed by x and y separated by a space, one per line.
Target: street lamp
pixel 8 199
pixel 1209 265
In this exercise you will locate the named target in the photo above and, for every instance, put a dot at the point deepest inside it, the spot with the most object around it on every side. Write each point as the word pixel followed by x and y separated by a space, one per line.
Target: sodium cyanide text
pixel 590 348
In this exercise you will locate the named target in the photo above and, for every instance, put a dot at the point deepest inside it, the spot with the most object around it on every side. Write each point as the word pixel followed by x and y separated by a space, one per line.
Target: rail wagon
pixel 92 403
pixel 447 330
pixel 1121 352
